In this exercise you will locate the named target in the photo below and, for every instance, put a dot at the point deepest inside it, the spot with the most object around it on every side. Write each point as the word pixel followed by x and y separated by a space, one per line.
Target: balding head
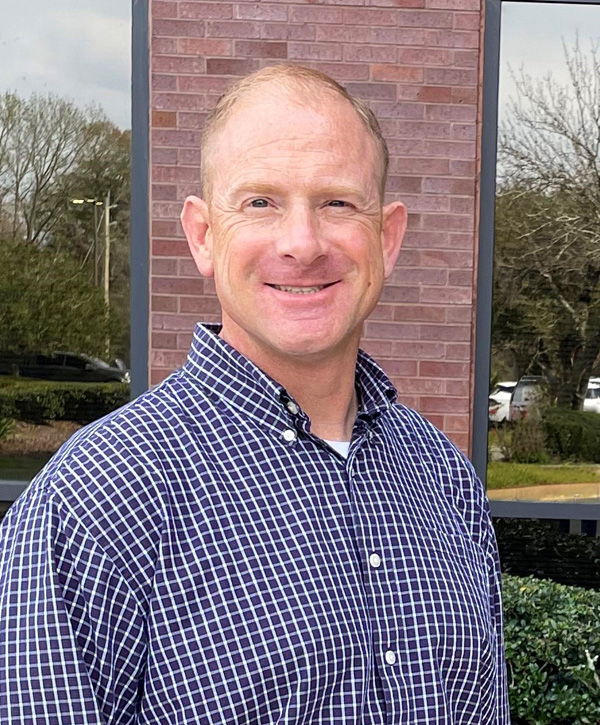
pixel 295 83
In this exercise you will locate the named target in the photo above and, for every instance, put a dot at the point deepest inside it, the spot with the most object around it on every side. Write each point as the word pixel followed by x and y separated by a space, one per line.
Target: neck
pixel 324 387
pixel 328 397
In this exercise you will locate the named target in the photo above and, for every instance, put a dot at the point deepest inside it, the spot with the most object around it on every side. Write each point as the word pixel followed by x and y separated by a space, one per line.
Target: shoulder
pixel 132 440
pixel 440 459
pixel 424 434
pixel 111 476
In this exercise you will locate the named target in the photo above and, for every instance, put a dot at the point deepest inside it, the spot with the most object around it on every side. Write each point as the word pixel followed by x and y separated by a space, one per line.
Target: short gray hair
pixel 293 77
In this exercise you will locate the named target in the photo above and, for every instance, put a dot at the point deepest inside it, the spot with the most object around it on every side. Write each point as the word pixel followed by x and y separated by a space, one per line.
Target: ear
pixel 195 221
pixel 392 233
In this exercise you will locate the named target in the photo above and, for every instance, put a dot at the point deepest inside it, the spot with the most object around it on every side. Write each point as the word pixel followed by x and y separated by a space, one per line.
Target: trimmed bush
pixel 40 401
pixel 528 441
pixel 7 425
pixel 572 434
pixel 552 638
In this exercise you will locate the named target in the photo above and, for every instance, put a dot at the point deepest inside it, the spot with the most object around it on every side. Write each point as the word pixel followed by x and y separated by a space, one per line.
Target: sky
pixel 78 49
pixel 532 35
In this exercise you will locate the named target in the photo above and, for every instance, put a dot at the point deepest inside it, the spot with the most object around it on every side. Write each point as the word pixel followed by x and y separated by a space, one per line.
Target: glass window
pixel 78 363
pixel 544 437
pixel 567 552
pixel 65 112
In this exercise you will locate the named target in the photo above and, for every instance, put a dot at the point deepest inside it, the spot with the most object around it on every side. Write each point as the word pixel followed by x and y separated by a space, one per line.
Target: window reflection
pixel 544 405
pixel 64 224
pixel 566 552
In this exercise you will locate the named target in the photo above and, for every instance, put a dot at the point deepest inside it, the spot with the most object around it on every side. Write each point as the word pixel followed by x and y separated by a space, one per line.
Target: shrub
pixel 573 434
pixel 37 402
pixel 525 442
pixel 6 427
pixel 552 645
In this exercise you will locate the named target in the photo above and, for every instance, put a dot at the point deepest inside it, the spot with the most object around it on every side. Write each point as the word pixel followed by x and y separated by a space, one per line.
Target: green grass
pixel 518 475
pixel 8 380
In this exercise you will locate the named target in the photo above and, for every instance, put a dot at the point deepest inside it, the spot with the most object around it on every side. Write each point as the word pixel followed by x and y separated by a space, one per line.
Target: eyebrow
pixel 259 189
pixel 332 191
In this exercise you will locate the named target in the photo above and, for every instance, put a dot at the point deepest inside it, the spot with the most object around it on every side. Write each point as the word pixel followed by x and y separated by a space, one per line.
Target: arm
pixel 495 584
pixel 72 642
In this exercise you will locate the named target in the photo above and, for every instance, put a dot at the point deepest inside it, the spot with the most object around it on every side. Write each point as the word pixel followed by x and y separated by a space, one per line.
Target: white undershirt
pixel 341 447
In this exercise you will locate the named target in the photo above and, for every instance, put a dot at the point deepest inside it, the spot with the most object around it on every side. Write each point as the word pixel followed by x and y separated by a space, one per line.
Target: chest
pixel 298 574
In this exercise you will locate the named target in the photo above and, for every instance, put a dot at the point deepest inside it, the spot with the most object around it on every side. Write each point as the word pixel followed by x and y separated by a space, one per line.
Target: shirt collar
pixel 225 373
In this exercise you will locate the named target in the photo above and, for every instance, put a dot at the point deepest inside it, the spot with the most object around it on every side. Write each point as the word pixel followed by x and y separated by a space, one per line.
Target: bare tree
pixel 548 224
pixel 41 140
pixel 550 140
pixel 52 152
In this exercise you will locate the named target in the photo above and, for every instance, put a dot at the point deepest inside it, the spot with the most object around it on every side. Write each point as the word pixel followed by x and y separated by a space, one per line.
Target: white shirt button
pixel 375 560
pixel 289 435
pixel 390 657
pixel 292 407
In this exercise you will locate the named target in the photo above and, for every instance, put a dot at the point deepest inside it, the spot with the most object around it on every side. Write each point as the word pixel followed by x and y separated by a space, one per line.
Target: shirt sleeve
pixel 72 635
pixel 495 588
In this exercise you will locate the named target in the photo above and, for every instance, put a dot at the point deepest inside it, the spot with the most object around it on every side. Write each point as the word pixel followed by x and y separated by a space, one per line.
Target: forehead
pixel 272 133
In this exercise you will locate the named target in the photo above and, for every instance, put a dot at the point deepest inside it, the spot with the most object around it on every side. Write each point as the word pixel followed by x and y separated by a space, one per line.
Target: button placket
pixel 377 557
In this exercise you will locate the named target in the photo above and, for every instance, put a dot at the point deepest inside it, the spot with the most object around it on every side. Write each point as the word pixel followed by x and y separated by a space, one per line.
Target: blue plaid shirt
pixel 200 557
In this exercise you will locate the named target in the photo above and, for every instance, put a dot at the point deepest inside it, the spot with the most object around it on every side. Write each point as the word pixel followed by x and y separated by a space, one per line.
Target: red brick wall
pixel 416 62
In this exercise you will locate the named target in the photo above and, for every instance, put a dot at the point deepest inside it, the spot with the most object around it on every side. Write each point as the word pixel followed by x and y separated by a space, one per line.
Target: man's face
pixel 293 229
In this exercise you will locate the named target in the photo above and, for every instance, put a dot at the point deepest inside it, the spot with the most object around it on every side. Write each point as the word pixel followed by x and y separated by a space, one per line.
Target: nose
pixel 299 237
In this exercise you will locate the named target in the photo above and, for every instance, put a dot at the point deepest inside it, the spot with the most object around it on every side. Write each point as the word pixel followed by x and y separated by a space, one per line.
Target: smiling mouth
pixel 300 290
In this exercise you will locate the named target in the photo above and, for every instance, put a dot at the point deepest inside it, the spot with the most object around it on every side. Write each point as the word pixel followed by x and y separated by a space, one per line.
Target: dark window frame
pixel 140 198
pixel 485 272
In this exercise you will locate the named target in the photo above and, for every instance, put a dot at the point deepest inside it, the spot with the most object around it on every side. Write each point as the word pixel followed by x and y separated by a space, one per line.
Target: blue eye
pixel 337 203
pixel 259 203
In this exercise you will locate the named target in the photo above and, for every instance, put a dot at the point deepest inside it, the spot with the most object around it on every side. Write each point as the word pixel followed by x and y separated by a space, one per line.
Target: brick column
pixel 416 62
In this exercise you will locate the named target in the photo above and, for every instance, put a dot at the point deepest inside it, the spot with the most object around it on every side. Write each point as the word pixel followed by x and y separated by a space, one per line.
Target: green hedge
pixel 573 435
pixel 7 426
pixel 40 401
pixel 548 629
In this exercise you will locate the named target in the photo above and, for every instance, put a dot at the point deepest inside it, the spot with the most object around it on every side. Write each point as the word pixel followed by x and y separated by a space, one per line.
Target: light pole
pixel 106 248
pixel 106 216
pixel 97 223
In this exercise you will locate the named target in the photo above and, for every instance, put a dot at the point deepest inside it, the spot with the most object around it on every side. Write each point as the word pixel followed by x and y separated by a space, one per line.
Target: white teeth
pixel 299 290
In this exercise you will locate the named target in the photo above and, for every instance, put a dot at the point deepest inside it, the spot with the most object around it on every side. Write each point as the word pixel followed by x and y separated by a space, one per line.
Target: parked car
pixel 499 402
pixel 63 366
pixel 528 392
pixel 591 402
pixel 531 390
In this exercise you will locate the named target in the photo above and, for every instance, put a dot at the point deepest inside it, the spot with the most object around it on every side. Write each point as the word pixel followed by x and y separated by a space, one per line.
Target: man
pixel 266 536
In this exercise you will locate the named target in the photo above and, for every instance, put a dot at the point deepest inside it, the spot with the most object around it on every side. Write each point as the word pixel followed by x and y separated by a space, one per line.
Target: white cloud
pixel 532 37
pixel 79 49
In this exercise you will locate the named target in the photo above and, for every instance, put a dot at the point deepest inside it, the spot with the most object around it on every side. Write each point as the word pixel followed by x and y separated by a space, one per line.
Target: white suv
pixel 591 402
pixel 499 401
